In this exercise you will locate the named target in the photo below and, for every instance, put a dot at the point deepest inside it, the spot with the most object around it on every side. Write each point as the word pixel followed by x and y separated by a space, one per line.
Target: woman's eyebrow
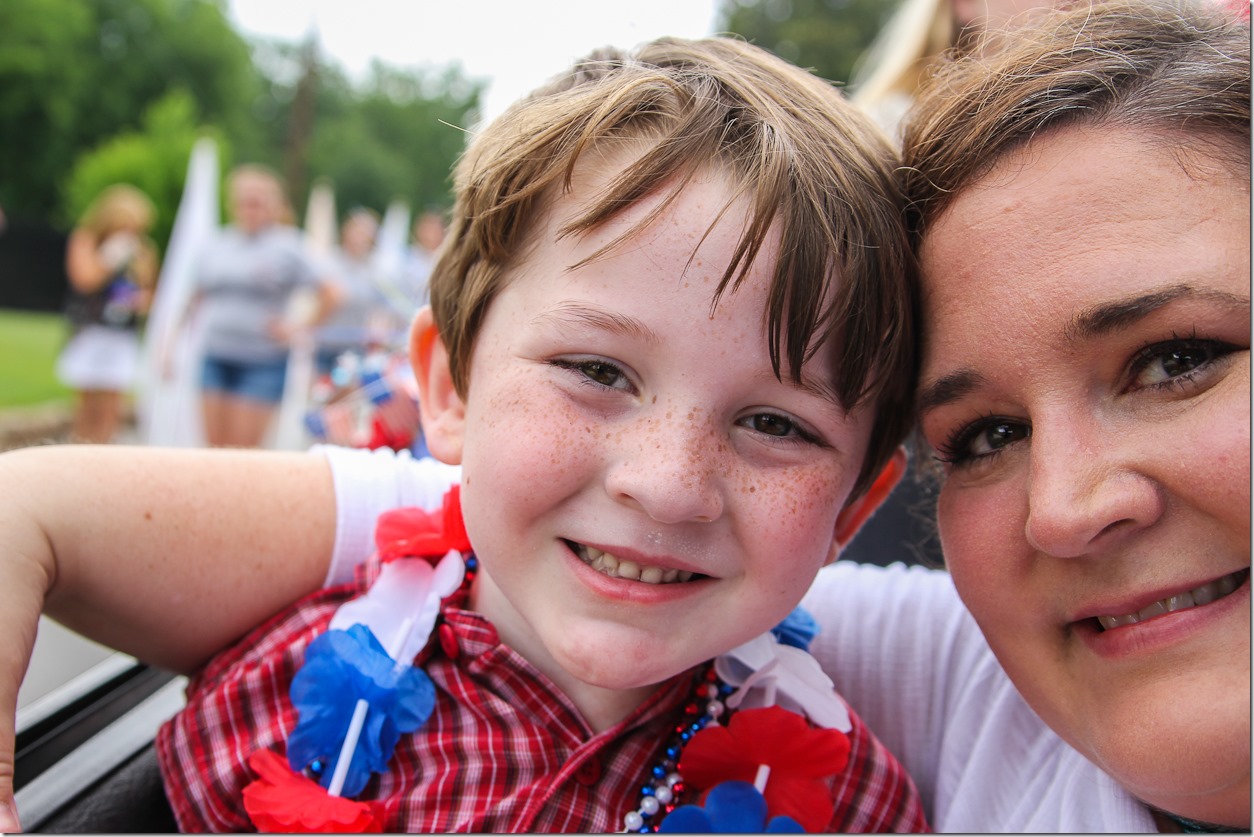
pixel 948 388
pixel 1112 316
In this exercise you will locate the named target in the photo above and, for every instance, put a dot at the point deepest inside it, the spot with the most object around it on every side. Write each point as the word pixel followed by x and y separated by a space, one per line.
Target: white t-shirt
pixel 899 646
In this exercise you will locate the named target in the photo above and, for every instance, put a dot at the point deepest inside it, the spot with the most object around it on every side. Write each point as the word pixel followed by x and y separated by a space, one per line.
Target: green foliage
pixel 98 92
pixel 154 160
pixel 29 344
pixel 826 36
pixel 74 74
pixel 398 138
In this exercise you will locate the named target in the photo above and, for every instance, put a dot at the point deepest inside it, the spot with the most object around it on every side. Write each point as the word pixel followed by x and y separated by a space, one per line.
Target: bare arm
pixel 164 554
pixel 168 555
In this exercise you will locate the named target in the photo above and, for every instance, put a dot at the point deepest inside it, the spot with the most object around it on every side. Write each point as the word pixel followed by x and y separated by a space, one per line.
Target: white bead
pixel 664 795
pixel 649 805
pixel 672 779
pixel 633 820
pixel 714 709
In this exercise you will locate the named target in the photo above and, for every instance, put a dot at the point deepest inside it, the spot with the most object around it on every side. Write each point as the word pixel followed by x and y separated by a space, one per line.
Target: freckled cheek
pixel 797 512
pixel 520 433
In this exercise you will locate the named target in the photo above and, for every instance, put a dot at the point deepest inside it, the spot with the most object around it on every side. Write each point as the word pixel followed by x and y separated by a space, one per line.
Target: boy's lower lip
pixel 1165 630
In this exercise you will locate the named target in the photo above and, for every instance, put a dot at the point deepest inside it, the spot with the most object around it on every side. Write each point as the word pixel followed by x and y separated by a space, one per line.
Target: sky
pixel 513 44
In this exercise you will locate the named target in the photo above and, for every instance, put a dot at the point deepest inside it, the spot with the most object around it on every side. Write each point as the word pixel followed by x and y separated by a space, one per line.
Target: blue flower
pixel 342 667
pixel 797 629
pixel 730 807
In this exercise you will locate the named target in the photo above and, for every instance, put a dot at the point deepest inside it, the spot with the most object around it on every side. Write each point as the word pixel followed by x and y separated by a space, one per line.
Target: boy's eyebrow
pixel 1111 316
pixel 577 315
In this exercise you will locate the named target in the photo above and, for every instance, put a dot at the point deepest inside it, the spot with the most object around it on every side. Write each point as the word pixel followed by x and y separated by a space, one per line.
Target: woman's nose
pixel 670 470
pixel 1083 495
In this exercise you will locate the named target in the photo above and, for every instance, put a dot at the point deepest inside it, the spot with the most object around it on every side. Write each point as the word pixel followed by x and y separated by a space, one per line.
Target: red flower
pixel 799 756
pixel 283 802
pixel 415 532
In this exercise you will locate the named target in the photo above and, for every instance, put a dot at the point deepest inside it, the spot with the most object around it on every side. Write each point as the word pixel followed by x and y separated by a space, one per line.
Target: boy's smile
pixel 632 569
pixel 641 490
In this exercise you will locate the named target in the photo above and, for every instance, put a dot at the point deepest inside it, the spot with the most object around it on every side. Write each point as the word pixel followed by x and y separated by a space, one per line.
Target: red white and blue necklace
pixel 742 748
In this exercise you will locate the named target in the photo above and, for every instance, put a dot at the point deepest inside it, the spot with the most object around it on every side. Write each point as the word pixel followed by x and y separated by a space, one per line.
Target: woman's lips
pixel 1198 596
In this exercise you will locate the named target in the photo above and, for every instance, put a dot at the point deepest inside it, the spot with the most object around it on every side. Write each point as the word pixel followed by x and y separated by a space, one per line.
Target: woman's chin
pixel 1186 757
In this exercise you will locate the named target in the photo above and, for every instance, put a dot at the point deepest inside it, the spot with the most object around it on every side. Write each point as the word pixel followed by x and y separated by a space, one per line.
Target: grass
pixel 29 344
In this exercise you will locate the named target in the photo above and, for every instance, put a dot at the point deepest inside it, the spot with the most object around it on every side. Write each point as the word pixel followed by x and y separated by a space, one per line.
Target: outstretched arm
pixel 167 555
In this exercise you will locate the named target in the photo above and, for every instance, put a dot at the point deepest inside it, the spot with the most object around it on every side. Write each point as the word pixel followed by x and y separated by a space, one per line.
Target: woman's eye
pixel 981 440
pixel 1173 361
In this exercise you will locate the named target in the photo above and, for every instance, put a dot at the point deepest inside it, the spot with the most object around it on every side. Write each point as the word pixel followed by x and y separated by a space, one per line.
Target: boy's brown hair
pixel 807 161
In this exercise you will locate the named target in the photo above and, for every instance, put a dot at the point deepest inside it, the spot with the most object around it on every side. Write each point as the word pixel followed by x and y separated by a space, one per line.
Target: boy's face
pixel 610 411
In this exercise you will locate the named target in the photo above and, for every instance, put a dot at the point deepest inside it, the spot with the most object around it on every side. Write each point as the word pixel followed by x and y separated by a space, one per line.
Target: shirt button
pixel 448 641
pixel 588 773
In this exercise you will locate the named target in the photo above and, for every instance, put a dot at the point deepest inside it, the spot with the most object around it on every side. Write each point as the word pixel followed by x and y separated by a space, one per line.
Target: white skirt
pixel 99 358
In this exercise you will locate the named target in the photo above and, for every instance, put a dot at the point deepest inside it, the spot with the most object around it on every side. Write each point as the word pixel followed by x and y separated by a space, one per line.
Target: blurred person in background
pixel 361 317
pixel 250 284
pixel 112 268
pixel 428 235
pixel 918 34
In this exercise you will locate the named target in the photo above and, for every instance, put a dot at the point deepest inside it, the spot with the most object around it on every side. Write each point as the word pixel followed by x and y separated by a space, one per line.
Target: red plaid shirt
pixel 504 750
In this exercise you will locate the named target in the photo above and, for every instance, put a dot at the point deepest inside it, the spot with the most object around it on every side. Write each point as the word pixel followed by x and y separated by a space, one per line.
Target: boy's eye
pixel 600 372
pixel 771 425
pixel 779 427
pixel 605 374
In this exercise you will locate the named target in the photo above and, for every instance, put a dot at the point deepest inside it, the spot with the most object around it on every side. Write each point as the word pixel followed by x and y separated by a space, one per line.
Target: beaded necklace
pixel 664 786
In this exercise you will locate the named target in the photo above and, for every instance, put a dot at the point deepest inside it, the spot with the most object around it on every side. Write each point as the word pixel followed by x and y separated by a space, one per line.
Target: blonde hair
pixel 810 163
pixel 118 207
pixel 919 32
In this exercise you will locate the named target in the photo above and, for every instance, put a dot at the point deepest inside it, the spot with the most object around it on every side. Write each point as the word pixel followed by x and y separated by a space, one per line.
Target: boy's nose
pixel 670 472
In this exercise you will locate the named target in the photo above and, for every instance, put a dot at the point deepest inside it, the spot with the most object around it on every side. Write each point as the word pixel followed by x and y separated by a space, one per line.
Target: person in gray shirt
pixel 247 280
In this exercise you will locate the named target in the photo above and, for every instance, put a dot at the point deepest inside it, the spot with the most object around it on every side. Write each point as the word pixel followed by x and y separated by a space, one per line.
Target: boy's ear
pixel 441 409
pixel 852 516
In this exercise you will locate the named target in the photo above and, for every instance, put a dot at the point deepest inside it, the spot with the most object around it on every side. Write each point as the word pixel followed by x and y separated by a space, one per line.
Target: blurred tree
pixel 395 135
pixel 153 159
pixel 90 80
pixel 73 74
pixel 826 36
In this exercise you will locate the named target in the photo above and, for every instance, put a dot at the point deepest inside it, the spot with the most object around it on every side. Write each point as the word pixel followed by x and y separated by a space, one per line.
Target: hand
pixel 117 251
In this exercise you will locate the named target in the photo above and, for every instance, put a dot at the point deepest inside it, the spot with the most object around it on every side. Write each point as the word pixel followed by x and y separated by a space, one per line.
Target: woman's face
pixel 1087 381
pixel 256 201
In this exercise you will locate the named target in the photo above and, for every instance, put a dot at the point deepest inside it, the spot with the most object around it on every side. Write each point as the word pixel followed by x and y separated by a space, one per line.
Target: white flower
pixel 766 672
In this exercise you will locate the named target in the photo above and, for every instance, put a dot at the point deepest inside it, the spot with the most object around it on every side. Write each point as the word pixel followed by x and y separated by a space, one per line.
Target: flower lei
pixel 761 771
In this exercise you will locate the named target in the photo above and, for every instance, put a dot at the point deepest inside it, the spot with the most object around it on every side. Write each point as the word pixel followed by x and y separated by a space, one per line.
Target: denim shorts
pixel 262 381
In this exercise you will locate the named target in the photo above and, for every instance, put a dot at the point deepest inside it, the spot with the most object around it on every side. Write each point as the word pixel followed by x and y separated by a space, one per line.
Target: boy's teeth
pixel 607 564
pixel 1205 594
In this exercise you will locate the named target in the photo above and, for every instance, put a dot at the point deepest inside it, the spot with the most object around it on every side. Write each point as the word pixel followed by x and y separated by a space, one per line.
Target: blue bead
pixel 647 790
pixel 695 727
pixel 659 772
pixel 672 753
pixel 684 736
